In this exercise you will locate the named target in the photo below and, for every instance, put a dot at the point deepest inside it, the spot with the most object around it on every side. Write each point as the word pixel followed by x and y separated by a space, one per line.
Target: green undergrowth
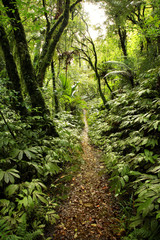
pixel 128 132
pixel 34 169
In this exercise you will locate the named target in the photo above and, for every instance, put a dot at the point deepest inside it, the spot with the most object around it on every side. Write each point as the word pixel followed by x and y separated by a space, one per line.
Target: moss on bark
pixel 27 70
pixel 17 101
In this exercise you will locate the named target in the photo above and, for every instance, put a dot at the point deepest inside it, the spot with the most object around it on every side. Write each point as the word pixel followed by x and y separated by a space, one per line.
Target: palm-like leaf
pixel 116 72
pixel 122 64
pixel 127 72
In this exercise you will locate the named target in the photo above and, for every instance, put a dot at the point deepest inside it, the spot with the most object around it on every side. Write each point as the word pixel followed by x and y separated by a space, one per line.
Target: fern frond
pixel 123 73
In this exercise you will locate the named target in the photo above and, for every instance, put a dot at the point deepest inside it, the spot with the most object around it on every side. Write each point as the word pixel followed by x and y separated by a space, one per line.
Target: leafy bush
pixel 30 161
pixel 129 134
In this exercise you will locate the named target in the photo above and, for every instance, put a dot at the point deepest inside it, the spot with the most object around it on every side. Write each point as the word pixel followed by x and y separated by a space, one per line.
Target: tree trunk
pixel 123 37
pixel 51 40
pixel 107 84
pixel 17 101
pixel 97 74
pixel 54 88
pixel 51 48
pixel 158 44
pixel 27 70
pixel 59 10
pixel 100 89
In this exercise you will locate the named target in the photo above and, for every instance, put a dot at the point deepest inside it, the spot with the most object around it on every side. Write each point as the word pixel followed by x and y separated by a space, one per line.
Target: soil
pixel 91 211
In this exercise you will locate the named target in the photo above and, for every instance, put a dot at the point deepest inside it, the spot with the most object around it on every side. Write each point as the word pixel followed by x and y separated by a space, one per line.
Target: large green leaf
pixel 1 174
pixel 11 189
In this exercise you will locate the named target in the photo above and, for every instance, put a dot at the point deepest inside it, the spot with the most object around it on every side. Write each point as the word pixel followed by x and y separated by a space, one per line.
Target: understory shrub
pixel 30 161
pixel 129 134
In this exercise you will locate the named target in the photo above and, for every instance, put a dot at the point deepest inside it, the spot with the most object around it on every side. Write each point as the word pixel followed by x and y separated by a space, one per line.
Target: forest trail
pixel 90 210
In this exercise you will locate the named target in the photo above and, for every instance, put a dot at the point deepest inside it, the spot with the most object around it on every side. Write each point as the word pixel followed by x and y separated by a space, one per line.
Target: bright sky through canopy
pixel 96 16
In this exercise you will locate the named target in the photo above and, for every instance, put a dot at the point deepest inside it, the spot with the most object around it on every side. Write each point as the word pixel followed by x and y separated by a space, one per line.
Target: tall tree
pixel 116 13
pixel 33 79
pixel 123 38
pixel 144 15
pixel 52 37
pixel 26 66
pixel 55 96
pixel 86 46
pixel 14 84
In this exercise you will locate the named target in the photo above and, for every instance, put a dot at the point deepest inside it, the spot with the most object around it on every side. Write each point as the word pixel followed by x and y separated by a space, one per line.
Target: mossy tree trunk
pixel 34 79
pixel 28 74
pixel 123 37
pixel 158 45
pixel 56 102
pixel 26 66
pixel 53 35
pixel 14 84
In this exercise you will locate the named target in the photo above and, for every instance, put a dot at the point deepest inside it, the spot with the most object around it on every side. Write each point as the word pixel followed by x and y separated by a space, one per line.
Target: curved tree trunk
pixel 54 88
pixel 17 101
pixel 50 48
pixel 100 89
pixel 123 37
pixel 52 38
pixel 27 70
pixel 37 101
pixel 158 45
pixel 97 74
pixel 106 82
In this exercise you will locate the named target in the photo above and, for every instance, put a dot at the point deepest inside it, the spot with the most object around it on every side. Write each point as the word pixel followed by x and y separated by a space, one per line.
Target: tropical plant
pixel 128 132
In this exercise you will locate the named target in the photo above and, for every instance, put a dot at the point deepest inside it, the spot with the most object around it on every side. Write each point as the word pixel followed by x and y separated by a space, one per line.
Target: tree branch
pixel 46 16
pixel 50 42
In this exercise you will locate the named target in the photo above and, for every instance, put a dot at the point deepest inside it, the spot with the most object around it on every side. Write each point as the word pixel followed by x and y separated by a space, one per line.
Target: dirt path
pixel 90 211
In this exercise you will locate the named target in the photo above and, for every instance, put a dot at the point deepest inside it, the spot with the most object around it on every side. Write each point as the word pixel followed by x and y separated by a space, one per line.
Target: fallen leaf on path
pixel 88 205
pixel 94 225
pixel 83 223
pixel 105 187
pixel 75 235
pixel 62 176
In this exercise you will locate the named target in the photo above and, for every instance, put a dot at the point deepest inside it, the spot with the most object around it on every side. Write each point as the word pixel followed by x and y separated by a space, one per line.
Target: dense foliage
pixel 30 163
pixel 128 133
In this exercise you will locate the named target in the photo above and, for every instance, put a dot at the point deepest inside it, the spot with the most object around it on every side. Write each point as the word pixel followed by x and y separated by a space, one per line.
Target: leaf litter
pixel 91 211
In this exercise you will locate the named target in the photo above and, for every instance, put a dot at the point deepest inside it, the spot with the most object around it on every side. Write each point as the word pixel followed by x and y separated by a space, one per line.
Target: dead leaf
pixel 88 205
pixel 75 235
pixel 94 225
pixel 99 232
pixel 62 176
